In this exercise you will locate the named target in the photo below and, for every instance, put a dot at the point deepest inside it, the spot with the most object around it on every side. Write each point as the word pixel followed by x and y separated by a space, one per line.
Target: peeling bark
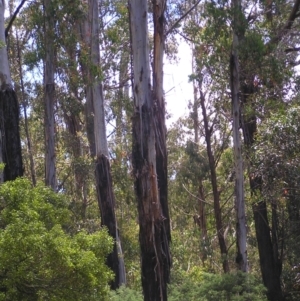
pixel 153 234
pixel 160 113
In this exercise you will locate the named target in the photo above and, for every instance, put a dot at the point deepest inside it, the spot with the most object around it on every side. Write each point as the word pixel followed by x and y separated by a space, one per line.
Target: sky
pixel 178 91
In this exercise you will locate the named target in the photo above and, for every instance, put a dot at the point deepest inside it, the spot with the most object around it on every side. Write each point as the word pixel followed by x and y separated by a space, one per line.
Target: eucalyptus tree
pixel 106 198
pixel 10 144
pixel 154 238
pixel 238 33
pixel 49 85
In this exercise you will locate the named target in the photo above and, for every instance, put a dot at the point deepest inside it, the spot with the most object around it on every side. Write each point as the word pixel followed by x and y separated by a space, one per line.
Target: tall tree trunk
pixel 214 183
pixel 24 105
pixel 241 258
pixel 50 165
pixel 84 31
pixel 153 233
pixel 106 198
pixel 201 219
pixel 10 144
pixel 269 264
pixel 159 7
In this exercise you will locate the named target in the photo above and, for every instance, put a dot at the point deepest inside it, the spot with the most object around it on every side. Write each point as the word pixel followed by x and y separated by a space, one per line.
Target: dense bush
pixel 40 258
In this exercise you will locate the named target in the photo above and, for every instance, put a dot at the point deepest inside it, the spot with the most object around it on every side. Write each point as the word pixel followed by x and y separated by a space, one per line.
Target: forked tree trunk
pixel 153 233
pixel 241 230
pixel 10 144
pixel 50 166
pixel 106 198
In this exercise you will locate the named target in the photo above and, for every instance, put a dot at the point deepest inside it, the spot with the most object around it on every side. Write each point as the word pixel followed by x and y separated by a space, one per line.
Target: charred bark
pixel 10 144
pixel 106 204
pixel 153 234
pixel 266 242
pixel 160 141
pixel 270 266
pixel 10 135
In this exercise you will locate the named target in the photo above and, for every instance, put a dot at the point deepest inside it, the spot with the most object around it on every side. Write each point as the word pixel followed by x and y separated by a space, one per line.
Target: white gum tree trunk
pixel 241 258
pixel 106 198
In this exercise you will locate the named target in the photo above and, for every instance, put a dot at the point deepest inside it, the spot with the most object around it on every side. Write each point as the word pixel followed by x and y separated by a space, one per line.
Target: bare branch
pixel 288 50
pixel 288 25
pixel 181 18
pixel 13 18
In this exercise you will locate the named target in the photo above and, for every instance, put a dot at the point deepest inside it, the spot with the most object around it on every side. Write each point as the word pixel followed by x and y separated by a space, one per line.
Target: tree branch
pixel 13 18
pixel 288 50
pixel 288 25
pixel 181 18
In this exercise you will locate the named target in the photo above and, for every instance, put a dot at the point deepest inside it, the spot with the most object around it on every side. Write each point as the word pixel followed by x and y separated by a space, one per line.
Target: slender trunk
pixel 153 233
pixel 159 7
pixel 214 183
pixel 50 165
pixel 72 120
pixel 29 148
pixel 241 258
pixel 106 198
pixel 202 214
pixel 10 143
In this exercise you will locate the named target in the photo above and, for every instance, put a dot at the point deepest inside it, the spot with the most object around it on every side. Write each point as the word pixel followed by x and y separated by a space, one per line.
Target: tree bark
pixel 10 143
pixel 241 258
pixel 84 31
pixel 159 7
pixel 153 234
pixel 106 198
pixel 214 183
pixel 50 164
pixel 269 264
pixel 24 105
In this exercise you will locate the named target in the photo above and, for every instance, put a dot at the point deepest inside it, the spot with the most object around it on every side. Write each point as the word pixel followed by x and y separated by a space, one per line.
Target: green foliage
pixel 210 287
pixel 125 294
pixel 40 259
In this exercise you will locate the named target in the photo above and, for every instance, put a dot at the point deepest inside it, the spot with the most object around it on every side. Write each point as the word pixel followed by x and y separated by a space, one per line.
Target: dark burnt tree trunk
pixel 159 7
pixel 267 243
pixel 106 202
pixel 270 267
pixel 10 144
pixel 10 135
pixel 153 236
